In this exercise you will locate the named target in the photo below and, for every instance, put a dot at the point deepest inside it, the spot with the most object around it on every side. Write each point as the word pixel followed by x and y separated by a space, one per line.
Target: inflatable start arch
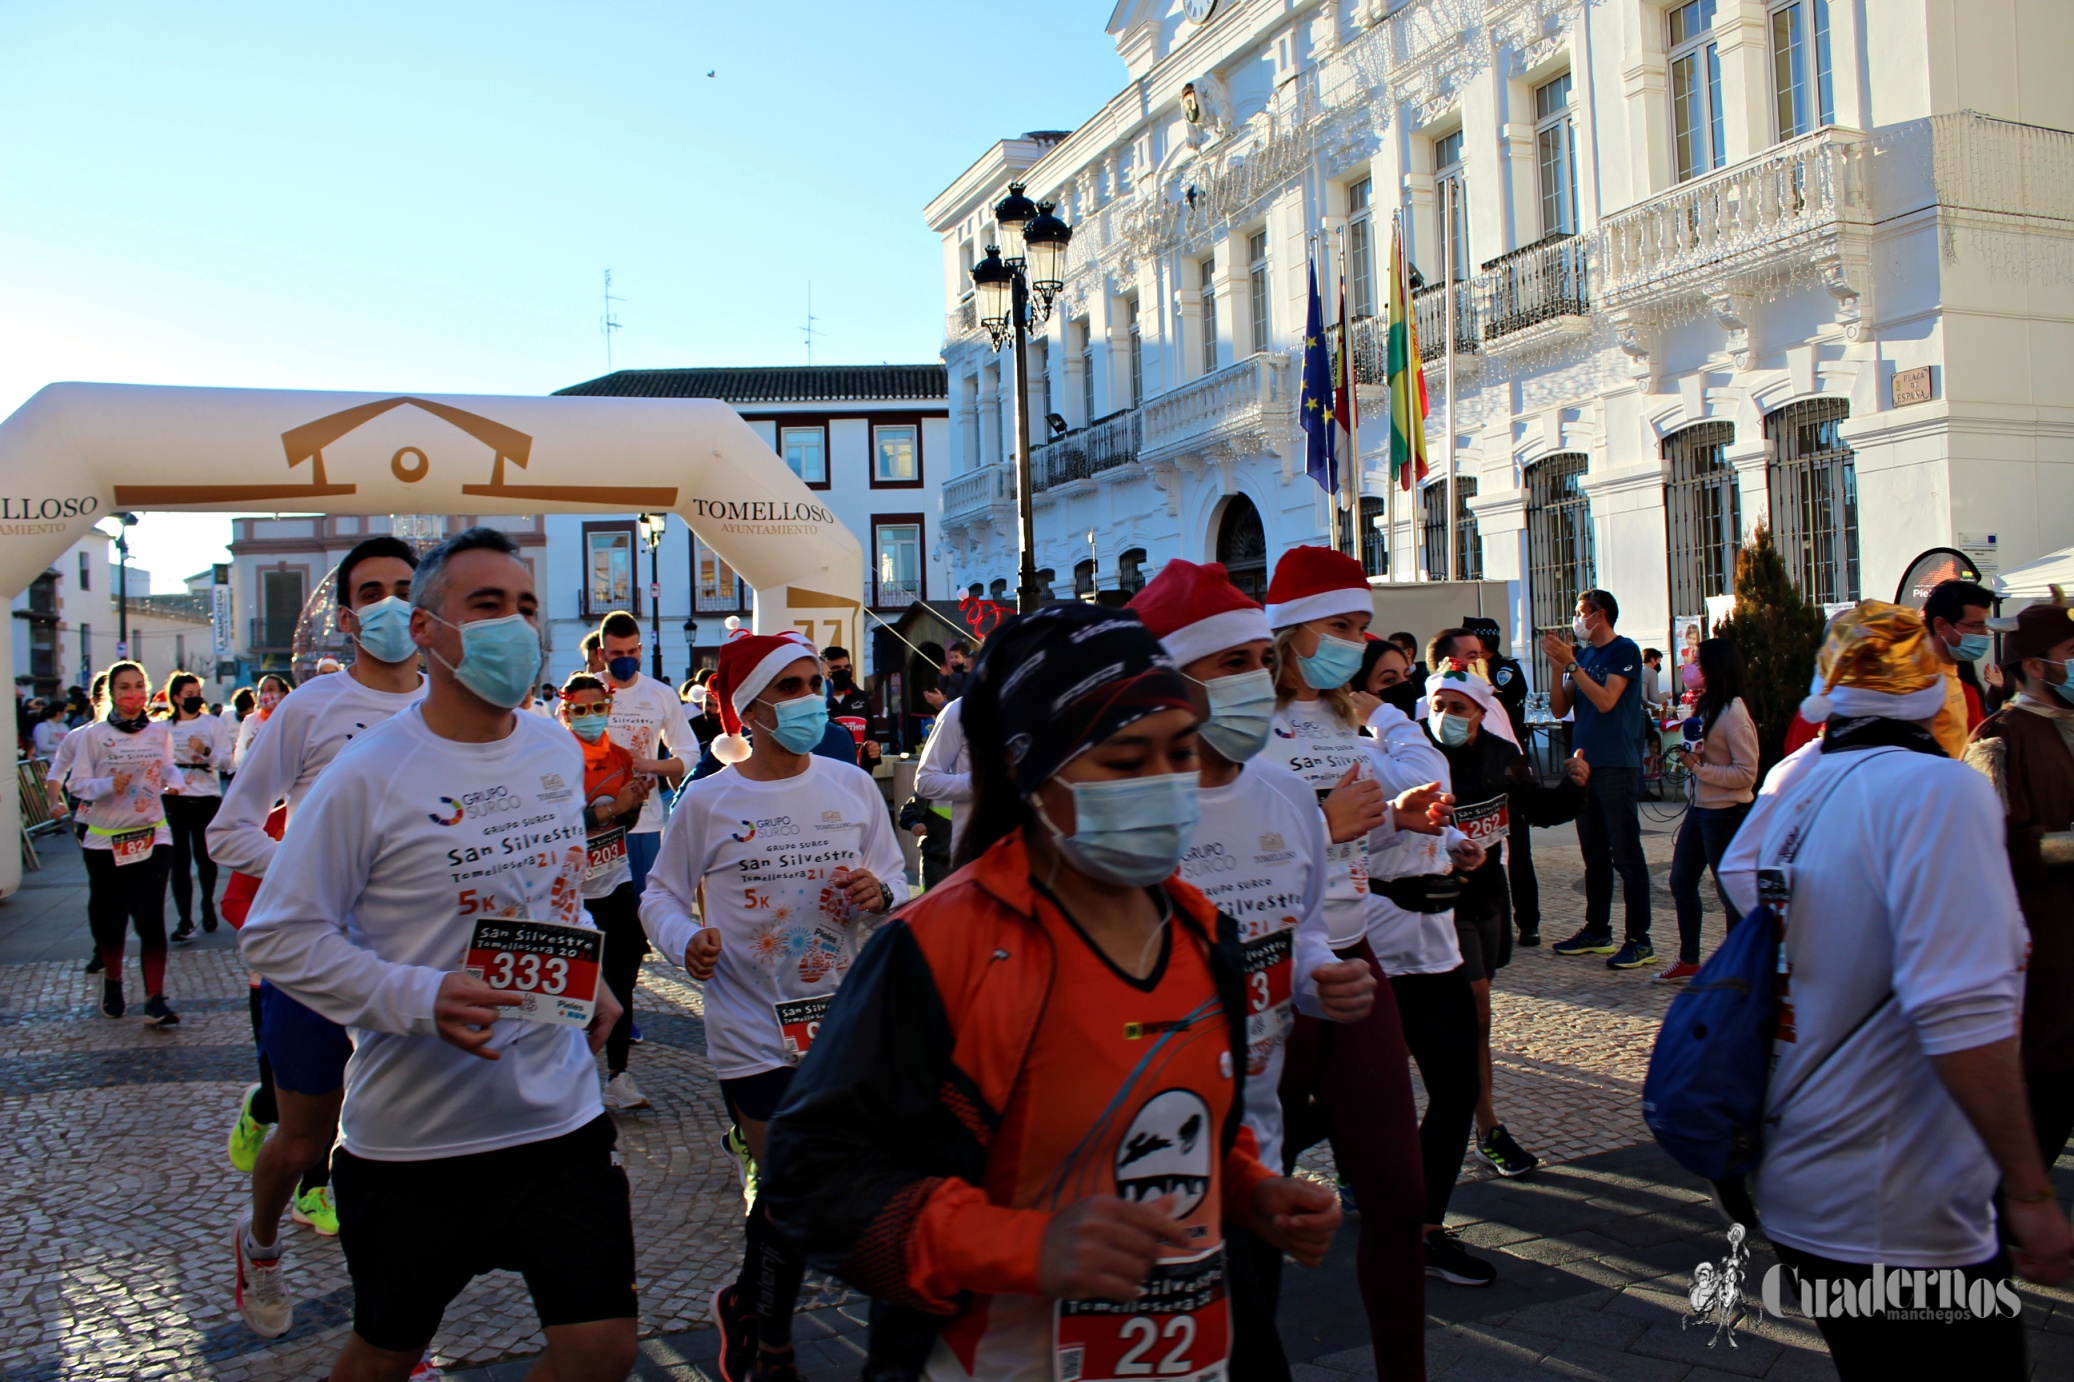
pixel 76 453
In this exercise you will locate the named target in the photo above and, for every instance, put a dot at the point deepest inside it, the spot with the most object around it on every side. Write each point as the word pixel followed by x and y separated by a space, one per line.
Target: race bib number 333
pixel 553 969
pixel 1179 1330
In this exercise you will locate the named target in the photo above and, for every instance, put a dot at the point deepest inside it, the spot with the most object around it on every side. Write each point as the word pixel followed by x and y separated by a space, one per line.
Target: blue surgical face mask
pixel 624 669
pixel 1242 707
pixel 2066 687
pixel 802 722
pixel 1333 665
pixel 1130 832
pixel 1972 647
pixel 385 630
pixel 1454 730
pixel 590 728
pixel 500 658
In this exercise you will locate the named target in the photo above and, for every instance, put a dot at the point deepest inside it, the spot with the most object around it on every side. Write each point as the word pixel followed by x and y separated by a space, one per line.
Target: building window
pixel 719 589
pixel 1375 536
pixel 1242 547
pixel 806 450
pixel 1256 276
pixel 1087 372
pixel 1137 337
pixel 1448 192
pixel 1045 578
pixel 1702 515
pixel 1814 498
pixel 1084 579
pixel 896 455
pixel 1800 67
pixel 86 572
pixel 1209 301
pixel 608 569
pixel 1360 254
pixel 1560 559
pixel 1468 541
pixel 1130 571
pixel 280 605
pixel 1555 147
pixel 1696 127
pixel 897 560
pixel 998 590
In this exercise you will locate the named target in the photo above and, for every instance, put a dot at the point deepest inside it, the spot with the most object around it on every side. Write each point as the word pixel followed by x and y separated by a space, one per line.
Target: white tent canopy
pixel 2034 579
pixel 78 452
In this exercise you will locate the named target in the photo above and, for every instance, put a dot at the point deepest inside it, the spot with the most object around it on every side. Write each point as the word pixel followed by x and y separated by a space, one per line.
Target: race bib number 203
pixel 553 969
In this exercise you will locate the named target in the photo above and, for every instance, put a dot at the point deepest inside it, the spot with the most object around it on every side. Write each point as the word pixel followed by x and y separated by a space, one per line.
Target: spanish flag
pixel 1408 406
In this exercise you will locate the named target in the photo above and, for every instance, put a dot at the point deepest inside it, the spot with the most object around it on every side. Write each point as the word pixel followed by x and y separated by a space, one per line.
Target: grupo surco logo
pixel 491 801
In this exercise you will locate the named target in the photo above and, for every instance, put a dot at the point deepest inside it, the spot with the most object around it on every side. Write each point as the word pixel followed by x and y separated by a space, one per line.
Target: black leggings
pixel 618 915
pixel 1440 1028
pixel 189 818
pixel 121 896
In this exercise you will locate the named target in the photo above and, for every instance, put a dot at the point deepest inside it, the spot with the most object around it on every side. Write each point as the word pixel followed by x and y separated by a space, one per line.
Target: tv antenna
pixel 607 324
pixel 807 329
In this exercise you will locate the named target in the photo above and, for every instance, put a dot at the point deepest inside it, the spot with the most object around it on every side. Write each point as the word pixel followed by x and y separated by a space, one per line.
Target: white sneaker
pixel 622 1092
pixel 262 1295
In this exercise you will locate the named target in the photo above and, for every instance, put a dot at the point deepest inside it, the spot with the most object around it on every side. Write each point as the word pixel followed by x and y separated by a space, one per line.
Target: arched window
pixel 1469 543
pixel 1130 571
pixel 1242 546
pixel 1814 498
pixel 1084 579
pixel 1702 515
pixel 998 591
pixel 1560 560
pixel 1375 537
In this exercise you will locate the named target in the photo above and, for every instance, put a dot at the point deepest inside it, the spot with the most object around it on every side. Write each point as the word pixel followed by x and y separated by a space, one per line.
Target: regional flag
pixel 1314 403
pixel 1408 406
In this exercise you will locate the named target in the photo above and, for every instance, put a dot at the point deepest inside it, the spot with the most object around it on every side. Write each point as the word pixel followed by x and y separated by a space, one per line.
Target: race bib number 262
pixel 553 969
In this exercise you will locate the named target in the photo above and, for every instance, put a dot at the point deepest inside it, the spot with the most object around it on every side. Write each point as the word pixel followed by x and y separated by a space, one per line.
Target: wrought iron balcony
pixel 1245 405
pixel 1536 285
pixel 1429 311
pixel 1086 452
pixel 895 594
pixel 977 494
pixel 960 322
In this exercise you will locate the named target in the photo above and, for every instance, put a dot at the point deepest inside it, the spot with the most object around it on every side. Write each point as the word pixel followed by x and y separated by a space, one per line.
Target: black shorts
pixel 1485 933
pixel 417 1232
pixel 757 1097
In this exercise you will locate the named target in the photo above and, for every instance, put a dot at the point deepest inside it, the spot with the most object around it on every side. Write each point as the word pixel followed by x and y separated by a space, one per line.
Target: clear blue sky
pixel 424 196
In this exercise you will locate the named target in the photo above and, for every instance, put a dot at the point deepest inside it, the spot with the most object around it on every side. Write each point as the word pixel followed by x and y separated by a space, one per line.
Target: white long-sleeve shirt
pixel 764 854
pixel 249 730
pixel 944 771
pixel 122 778
pixel 303 734
pixel 1901 883
pixel 1409 942
pixel 646 717
pixel 1259 854
pixel 404 842
pixel 202 747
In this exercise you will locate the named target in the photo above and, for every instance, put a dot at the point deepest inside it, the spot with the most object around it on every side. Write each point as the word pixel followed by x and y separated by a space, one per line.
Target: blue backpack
pixel 1704 1097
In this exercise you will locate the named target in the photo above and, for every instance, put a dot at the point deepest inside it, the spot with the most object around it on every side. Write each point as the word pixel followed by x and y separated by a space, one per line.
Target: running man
pixel 647 717
pixel 305 1051
pixel 795 858
pixel 453 1100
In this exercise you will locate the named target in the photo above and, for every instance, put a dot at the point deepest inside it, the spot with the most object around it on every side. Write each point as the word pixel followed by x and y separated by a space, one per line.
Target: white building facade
pixel 1718 263
pixel 69 625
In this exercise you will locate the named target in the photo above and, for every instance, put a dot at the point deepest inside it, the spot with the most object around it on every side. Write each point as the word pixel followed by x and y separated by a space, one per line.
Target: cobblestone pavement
pixel 117 1200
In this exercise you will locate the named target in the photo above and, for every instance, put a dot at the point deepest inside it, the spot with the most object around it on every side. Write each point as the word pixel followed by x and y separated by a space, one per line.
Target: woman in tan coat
pixel 1721 750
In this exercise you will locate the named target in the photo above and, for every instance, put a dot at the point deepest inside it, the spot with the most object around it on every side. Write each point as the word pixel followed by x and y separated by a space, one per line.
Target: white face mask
pixel 1581 627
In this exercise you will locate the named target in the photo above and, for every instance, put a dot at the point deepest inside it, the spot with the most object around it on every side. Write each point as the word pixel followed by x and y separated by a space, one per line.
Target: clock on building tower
pixel 1200 10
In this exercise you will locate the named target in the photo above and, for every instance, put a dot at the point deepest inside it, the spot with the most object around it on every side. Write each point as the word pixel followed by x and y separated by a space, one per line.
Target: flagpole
pixel 1352 420
pixel 1390 563
pixel 1447 235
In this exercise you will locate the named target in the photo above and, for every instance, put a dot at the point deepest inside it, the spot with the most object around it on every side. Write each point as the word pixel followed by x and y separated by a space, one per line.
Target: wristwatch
pixel 885 896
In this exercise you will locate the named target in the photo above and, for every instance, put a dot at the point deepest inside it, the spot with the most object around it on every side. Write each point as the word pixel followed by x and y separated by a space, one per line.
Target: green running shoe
pixel 247 1135
pixel 313 1207
pixel 745 1165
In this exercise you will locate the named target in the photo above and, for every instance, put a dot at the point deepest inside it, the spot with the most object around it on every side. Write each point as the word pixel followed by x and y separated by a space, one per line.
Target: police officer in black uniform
pixel 1509 681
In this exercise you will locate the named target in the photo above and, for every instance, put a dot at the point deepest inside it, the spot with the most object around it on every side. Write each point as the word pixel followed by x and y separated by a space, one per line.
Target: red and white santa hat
pixel 748 663
pixel 1316 583
pixel 1195 611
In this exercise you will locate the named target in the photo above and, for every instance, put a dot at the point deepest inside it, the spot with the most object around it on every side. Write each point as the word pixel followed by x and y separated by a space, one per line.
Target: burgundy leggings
pixel 1352 1083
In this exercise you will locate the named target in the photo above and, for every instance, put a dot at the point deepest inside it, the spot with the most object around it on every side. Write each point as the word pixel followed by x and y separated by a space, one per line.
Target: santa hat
pixel 1195 611
pixel 1316 583
pixel 1876 660
pixel 1458 677
pixel 748 663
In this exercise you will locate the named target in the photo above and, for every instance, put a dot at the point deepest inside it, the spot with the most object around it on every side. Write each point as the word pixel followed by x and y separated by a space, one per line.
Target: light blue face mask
pixel 802 721
pixel 1972 647
pixel 385 630
pixel 1454 730
pixel 1242 708
pixel 1333 665
pixel 590 728
pixel 2066 687
pixel 500 658
pixel 1130 832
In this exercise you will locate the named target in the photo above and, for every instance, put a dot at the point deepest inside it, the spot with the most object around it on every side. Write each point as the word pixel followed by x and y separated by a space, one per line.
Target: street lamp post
pixel 1015 294
pixel 691 647
pixel 652 527
pixel 126 521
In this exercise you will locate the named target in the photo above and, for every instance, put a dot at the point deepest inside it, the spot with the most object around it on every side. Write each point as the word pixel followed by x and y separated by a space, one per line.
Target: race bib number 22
pixel 553 969
pixel 1179 1330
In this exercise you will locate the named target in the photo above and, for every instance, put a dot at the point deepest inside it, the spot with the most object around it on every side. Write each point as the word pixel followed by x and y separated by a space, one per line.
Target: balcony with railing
pixel 272 634
pixel 978 496
pixel 1245 404
pixel 1429 311
pixel 891 594
pixel 1535 294
pixel 722 597
pixel 1086 452
pixel 960 322
pixel 1739 223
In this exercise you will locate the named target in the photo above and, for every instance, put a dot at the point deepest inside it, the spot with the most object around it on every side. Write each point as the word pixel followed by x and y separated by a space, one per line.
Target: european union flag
pixel 1315 402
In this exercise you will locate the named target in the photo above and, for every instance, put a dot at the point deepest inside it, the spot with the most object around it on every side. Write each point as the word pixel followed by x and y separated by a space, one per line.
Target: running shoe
pixel 1633 955
pixel 183 932
pixel 159 1013
pixel 621 1092
pixel 737 1146
pixel 1530 938
pixel 247 1135
pixel 776 1366
pixel 1447 1259
pixel 1586 942
pixel 737 1337
pixel 633 1034
pixel 314 1208
pixel 1676 972
pixel 1347 1207
pixel 93 964
pixel 208 919
pixel 1497 1150
pixel 111 998
pixel 262 1295
pixel 426 1371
